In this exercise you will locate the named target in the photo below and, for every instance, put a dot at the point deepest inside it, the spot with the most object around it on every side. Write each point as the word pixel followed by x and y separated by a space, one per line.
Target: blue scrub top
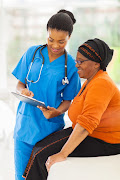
pixel 31 126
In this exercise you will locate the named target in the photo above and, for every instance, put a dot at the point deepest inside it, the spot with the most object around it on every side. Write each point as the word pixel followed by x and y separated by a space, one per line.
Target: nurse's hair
pixel 62 21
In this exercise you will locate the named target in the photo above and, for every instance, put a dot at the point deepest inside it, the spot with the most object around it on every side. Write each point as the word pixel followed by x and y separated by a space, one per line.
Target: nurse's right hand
pixel 26 92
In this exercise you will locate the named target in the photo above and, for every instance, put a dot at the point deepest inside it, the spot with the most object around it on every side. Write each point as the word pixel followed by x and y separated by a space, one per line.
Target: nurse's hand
pixel 50 112
pixel 26 92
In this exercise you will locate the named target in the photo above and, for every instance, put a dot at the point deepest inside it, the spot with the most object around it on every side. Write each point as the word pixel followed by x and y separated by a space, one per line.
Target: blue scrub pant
pixel 22 152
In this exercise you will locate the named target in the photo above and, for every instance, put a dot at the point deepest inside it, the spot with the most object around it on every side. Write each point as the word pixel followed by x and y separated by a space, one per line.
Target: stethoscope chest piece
pixel 65 81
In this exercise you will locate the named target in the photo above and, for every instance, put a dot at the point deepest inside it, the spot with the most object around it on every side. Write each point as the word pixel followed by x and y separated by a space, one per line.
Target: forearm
pixel 77 136
pixel 20 86
pixel 52 112
pixel 64 106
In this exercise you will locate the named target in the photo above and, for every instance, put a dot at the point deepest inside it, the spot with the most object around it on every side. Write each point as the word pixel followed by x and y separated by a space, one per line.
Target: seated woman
pixel 95 113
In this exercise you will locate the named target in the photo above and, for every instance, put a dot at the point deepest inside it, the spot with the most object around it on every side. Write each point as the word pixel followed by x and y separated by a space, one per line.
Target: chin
pixel 81 75
pixel 79 72
pixel 57 53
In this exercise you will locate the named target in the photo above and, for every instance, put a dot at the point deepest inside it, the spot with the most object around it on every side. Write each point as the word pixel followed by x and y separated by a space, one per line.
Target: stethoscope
pixel 64 81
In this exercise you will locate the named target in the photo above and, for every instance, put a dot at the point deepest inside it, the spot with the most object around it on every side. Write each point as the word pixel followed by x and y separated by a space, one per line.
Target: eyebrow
pixel 58 40
pixel 81 59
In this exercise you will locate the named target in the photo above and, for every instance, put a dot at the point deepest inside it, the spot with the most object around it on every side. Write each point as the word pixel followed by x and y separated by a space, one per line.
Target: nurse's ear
pixel 69 37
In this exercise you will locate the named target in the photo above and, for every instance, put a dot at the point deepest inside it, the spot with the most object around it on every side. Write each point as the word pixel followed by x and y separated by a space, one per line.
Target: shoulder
pixel 103 81
pixel 71 62
pixel 71 59
pixel 32 49
pixel 28 55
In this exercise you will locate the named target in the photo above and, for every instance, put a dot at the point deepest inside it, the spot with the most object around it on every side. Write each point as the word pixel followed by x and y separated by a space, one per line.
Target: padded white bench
pixel 89 168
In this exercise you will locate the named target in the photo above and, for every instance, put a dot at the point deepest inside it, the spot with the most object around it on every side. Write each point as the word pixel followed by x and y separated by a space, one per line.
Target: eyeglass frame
pixel 80 62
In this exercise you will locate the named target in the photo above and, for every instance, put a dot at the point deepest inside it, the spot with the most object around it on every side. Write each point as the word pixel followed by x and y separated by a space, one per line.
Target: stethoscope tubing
pixel 64 81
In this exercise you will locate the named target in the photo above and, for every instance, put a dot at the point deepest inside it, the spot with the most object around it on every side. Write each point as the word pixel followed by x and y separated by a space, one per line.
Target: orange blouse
pixel 97 109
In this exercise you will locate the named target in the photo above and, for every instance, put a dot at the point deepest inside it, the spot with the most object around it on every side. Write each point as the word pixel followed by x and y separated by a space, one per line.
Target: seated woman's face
pixel 86 68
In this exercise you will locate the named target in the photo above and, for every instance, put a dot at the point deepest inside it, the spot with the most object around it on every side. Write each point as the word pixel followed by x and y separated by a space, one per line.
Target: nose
pixel 77 65
pixel 55 45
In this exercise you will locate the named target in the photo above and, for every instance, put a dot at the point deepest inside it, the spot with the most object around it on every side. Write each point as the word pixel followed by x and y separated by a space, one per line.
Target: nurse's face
pixel 57 41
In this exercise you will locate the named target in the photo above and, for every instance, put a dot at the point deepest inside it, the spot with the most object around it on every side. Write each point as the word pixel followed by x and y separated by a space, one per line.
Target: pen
pixel 27 87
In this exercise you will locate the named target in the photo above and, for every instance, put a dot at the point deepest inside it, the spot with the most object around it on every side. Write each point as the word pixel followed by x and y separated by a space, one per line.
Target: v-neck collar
pixel 56 60
pixel 82 88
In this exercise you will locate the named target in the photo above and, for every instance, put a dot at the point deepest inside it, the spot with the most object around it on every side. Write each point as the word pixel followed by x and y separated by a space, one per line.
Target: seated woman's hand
pixel 54 159
pixel 50 112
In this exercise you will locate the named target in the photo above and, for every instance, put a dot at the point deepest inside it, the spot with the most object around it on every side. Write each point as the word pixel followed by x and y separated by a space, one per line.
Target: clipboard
pixel 29 100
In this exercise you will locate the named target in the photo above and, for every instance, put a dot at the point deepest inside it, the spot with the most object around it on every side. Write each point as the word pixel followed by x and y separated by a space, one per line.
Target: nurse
pixel 46 80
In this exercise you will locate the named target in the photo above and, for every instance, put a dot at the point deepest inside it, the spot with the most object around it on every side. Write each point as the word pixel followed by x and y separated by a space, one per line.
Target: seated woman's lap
pixel 52 144
pixel 90 147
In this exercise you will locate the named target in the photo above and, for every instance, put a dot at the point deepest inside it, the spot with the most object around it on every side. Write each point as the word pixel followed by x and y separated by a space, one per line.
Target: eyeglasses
pixel 80 62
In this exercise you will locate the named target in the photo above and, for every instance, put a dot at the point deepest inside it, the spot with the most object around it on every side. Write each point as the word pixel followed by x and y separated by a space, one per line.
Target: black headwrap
pixel 98 51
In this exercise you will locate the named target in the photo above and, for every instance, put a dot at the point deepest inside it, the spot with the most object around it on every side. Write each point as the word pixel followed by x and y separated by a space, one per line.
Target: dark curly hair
pixel 63 21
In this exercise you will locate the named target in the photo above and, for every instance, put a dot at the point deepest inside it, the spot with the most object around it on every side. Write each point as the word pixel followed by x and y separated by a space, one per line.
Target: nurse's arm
pixel 52 112
pixel 21 88
pixel 64 106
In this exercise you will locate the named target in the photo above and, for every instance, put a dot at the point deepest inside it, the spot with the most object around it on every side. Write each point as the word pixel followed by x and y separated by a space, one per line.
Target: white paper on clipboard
pixel 29 100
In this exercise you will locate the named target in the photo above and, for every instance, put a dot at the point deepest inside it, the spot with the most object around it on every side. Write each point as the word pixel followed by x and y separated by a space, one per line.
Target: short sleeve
pixel 21 70
pixel 72 89
pixel 96 101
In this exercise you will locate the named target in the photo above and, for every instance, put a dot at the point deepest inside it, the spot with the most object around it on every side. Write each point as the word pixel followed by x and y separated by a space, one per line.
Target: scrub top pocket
pixel 22 125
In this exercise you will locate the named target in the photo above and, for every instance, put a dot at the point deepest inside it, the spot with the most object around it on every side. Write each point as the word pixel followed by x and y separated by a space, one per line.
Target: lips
pixel 55 50
pixel 79 69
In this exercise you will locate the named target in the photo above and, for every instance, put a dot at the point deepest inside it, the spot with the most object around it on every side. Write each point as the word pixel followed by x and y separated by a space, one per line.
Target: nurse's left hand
pixel 54 159
pixel 50 112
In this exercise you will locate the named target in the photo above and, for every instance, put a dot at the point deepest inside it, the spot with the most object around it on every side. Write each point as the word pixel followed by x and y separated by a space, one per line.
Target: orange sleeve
pixel 96 101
